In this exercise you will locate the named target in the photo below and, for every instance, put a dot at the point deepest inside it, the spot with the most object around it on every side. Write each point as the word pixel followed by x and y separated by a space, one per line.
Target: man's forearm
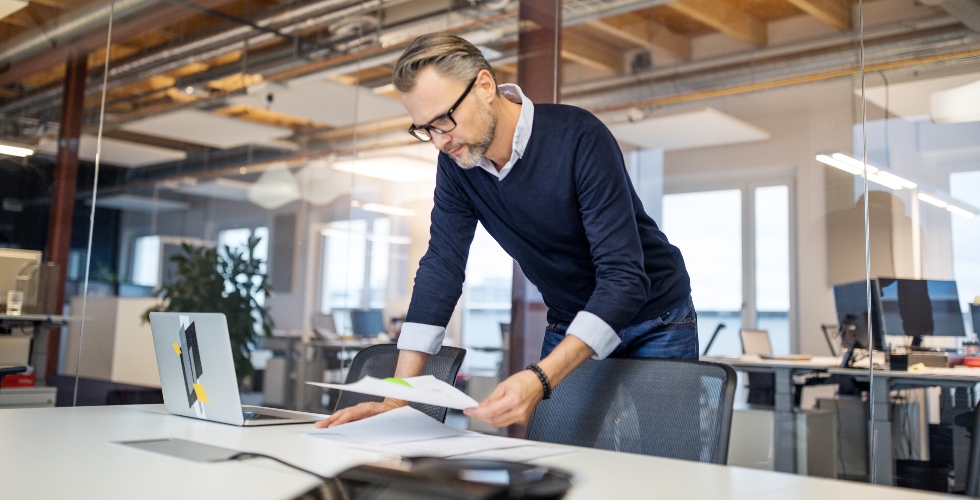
pixel 564 359
pixel 410 364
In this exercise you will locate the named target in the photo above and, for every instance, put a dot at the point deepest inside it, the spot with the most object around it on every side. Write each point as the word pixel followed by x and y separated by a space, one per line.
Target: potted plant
pixel 228 282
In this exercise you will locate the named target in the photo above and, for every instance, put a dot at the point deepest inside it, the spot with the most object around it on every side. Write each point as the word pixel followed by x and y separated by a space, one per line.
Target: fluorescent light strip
pixel 854 163
pixel 839 164
pixel 383 209
pixel 877 179
pixel 15 151
pixel 905 183
pixel 933 201
pixel 959 211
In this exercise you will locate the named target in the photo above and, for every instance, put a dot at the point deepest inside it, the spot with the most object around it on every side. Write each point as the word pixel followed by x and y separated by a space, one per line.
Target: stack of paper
pixel 425 389
pixel 409 432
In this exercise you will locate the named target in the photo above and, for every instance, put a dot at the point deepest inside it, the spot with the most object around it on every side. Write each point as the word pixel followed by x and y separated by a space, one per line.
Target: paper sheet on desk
pixel 395 426
pixel 425 389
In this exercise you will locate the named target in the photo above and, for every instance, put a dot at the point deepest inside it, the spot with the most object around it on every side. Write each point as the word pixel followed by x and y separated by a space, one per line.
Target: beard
pixel 475 150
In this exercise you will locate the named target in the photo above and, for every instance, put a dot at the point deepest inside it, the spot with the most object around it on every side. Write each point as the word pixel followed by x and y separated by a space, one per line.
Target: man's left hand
pixel 512 402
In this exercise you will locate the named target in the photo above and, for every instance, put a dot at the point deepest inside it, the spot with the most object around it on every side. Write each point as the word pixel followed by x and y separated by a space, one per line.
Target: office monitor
pixel 917 308
pixel 975 315
pixel 851 302
pixel 367 322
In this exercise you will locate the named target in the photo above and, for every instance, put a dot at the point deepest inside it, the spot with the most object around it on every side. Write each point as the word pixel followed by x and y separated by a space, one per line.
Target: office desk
pixel 71 453
pixel 784 423
pixel 886 381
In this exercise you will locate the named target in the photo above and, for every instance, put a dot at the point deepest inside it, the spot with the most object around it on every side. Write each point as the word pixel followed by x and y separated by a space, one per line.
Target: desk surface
pixel 959 373
pixel 71 453
pixel 816 362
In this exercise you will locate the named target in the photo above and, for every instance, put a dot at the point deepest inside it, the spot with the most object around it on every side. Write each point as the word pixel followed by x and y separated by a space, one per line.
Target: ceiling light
pixel 15 150
pixel 839 164
pixel 933 201
pixel 877 179
pixel 390 168
pixel 858 164
pixel 384 89
pixel 383 209
pixel 888 176
pixel 959 211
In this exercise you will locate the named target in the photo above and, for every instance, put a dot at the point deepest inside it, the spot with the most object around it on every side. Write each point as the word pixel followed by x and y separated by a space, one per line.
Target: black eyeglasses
pixel 441 124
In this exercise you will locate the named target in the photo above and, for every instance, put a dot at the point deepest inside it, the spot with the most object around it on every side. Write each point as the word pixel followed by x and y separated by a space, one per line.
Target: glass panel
pixel 772 300
pixel 707 227
pixel 966 245
pixel 486 304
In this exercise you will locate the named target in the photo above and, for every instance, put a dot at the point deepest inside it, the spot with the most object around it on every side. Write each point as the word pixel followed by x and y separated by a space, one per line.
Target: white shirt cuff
pixel 595 332
pixel 421 337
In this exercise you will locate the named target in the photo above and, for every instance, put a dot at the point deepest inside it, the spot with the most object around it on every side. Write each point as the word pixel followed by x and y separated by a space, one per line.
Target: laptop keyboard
pixel 251 415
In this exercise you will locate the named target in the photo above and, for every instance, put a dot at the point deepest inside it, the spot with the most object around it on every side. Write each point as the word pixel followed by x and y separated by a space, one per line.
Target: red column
pixel 539 76
pixel 63 188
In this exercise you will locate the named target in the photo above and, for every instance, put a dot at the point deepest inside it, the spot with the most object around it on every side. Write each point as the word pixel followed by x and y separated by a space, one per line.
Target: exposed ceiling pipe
pixel 757 55
pixel 87 20
pixel 967 11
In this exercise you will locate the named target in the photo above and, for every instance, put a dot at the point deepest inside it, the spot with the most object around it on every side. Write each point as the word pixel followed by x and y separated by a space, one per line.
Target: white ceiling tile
pixel 323 101
pixel 116 152
pixel 200 127
pixel 912 99
pixel 698 129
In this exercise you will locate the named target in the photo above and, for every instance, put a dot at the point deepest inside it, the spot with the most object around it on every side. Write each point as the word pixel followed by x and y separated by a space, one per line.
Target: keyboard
pixel 251 415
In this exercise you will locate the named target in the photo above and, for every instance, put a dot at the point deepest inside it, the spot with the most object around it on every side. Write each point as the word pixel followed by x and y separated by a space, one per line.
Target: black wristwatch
pixel 543 378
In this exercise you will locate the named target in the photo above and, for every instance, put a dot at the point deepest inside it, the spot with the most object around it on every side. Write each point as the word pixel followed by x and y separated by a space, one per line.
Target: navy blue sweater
pixel 568 214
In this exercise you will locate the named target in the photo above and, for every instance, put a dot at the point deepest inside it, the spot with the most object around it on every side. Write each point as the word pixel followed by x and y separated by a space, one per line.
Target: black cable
pixel 246 455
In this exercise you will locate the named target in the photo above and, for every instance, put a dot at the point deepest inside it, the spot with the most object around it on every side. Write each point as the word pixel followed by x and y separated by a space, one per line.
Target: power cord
pixel 247 455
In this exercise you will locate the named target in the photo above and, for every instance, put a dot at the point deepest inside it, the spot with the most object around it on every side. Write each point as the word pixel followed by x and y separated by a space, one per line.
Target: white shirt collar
pixel 522 134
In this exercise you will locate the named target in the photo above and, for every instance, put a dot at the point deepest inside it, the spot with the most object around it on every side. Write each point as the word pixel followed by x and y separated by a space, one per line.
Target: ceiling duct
pixel 967 11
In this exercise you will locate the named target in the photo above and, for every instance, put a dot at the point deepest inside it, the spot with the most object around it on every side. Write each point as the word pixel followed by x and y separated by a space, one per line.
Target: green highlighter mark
pixel 399 381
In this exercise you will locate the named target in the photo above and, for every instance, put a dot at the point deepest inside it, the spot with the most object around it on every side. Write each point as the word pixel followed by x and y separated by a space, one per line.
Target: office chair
pixel 661 407
pixel 379 361
pixel 973 470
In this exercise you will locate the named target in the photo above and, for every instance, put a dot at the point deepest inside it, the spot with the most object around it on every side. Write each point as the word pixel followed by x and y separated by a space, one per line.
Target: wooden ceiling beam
pixel 832 12
pixel 592 54
pixel 648 35
pixel 724 18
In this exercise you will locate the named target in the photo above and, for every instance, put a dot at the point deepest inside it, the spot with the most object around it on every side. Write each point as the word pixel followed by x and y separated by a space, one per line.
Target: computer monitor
pixel 367 322
pixel 916 308
pixel 851 302
pixel 975 314
pixel 12 263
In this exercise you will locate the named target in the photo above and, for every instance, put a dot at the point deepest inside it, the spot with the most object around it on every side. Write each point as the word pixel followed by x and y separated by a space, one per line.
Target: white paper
pixel 451 446
pixel 425 389
pixel 518 454
pixel 396 426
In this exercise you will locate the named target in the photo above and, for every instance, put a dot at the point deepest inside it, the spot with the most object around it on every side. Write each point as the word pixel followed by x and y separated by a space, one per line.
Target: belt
pixel 558 328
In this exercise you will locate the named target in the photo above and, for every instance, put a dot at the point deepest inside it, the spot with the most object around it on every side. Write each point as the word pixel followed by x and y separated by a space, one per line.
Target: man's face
pixel 433 95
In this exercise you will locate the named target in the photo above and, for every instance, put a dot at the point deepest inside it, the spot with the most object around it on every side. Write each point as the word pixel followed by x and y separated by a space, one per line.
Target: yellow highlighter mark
pixel 399 381
pixel 177 348
pixel 201 395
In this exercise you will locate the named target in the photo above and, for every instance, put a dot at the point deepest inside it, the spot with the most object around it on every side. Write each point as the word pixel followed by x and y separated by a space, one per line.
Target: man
pixel 548 182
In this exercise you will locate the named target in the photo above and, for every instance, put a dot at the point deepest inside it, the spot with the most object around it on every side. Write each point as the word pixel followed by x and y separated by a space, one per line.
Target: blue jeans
pixel 673 335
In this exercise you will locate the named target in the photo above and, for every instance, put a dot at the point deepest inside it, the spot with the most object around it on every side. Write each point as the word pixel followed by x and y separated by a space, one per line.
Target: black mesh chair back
pixel 379 361
pixel 973 471
pixel 661 407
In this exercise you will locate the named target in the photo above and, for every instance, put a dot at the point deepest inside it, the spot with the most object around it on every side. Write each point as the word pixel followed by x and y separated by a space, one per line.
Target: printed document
pixel 425 389
pixel 396 426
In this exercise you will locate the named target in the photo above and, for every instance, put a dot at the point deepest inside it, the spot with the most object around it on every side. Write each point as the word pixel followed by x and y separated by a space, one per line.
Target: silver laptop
pixel 197 372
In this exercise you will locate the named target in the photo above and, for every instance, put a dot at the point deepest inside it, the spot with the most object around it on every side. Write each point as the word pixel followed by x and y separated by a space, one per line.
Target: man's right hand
pixel 363 410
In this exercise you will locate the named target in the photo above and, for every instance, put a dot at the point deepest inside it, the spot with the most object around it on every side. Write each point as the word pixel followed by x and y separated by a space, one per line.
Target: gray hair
pixel 450 55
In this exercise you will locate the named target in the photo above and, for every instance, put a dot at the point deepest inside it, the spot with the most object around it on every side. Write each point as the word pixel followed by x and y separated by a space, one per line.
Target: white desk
pixel 784 421
pixel 71 453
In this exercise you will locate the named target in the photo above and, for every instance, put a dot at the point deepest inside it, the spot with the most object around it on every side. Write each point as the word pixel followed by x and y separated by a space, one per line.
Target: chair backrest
pixel 661 407
pixel 755 342
pixel 973 471
pixel 379 361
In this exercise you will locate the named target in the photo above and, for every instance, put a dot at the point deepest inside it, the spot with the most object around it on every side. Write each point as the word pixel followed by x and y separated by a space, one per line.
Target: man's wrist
pixel 543 378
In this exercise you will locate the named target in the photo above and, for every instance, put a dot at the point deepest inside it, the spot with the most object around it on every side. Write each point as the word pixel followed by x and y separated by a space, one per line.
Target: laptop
pixel 197 372
pixel 757 342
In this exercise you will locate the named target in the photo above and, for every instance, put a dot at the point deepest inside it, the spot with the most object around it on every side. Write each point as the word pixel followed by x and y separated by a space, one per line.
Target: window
pixel 486 303
pixel 772 265
pixel 966 240
pixel 237 239
pixel 707 227
pixel 146 261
